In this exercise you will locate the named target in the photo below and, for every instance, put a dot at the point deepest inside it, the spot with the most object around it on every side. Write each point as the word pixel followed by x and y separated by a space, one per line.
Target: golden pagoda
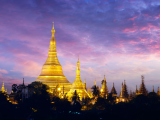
pixel 124 93
pixel 158 92
pixel 3 89
pixel 52 73
pixel 142 89
pixel 78 86
pixel 104 90
pixel 113 91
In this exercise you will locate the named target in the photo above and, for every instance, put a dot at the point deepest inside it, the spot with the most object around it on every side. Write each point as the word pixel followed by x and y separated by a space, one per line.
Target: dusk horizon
pixel 118 39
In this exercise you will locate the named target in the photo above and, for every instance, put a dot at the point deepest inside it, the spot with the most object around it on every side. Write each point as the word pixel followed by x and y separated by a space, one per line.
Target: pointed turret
pixel 158 92
pixel 3 89
pixel 23 81
pixel 136 90
pixel 104 88
pixel 78 85
pixel 124 93
pixel 125 90
pixel 153 89
pixel 142 89
pixel 52 73
pixel 113 91
pixel 121 95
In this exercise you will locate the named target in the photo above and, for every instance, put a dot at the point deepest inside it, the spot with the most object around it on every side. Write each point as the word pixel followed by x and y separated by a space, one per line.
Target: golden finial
pixel 113 84
pixel 78 56
pixel 53 25
pixel 104 78
pixel 95 82
pixel 142 78
pixel 53 30
pixel 158 88
pixel 122 83
pixel 84 80
pixel 153 89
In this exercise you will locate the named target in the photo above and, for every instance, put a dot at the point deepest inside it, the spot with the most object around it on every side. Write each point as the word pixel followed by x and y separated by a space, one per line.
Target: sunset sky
pixel 115 38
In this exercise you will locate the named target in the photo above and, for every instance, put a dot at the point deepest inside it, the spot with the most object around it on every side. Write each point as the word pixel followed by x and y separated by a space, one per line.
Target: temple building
pixel 104 90
pixel 52 73
pixel 124 93
pixel 78 86
pixel 113 91
pixel 158 92
pixel 3 89
pixel 142 89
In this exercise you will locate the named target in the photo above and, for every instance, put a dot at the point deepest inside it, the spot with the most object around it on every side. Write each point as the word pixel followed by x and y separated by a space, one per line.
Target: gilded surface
pixel 78 86
pixel 52 73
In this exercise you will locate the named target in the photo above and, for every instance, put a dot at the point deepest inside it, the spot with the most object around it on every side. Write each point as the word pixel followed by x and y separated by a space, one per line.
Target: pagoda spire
pixel 78 85
pixel 3 89
pixel 125 90
pixel 53 30
pixel 142 89
pixel 121 91
pixel 113 91
pixel 23 81
pixel 153 89
pixel 104 88
pixel 158 92
pixel 52 73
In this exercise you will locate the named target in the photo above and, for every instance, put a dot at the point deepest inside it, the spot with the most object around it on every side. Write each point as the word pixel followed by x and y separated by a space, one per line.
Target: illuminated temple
pixel 78 86
pixel 52 73
pixel 3 89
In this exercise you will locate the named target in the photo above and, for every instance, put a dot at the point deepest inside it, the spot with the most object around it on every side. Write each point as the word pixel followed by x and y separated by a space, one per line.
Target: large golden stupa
pixel 52 73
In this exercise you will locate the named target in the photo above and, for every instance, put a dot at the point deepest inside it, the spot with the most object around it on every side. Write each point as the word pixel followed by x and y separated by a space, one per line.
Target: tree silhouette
pixel 75 96
pixel 14 88
pixel 95 91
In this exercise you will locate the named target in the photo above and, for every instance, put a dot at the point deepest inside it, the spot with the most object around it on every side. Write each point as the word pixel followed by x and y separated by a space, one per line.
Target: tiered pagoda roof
pixel 78 86
pixel 142 89
pixel 124 92
pixel 158 92
pixel 3 89
pixel 113 91
pixel 52 73
pixel 104 88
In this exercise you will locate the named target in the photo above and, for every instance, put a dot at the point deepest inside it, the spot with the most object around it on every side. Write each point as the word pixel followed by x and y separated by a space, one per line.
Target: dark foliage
pixel 95 91
pixel 42 106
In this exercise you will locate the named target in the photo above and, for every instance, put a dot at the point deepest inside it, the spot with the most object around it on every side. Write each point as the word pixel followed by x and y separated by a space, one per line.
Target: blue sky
pixel 118 38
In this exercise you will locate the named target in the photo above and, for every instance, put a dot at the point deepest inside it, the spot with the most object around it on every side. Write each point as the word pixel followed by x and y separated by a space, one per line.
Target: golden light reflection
pixel 52 73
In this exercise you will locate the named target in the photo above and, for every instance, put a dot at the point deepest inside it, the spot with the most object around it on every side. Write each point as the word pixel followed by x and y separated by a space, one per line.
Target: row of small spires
pixel 3 90
pixel 124 92
pixel 142 89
